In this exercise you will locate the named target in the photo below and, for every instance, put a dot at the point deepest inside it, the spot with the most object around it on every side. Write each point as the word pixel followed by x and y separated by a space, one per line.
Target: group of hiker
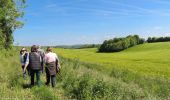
pixel 36 61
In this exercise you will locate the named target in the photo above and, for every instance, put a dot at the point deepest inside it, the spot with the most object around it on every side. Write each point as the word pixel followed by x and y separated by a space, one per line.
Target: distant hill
pixel 79 46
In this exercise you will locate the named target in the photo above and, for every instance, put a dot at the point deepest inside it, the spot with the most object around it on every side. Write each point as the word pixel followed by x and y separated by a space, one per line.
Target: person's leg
pixel 53 80
pixel 47 76
pixel 32 77
pixel 38 74
pixel 28 70
pixel 24 73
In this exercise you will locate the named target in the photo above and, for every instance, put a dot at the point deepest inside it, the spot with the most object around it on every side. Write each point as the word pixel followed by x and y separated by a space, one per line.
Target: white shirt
pixel 22 59
pixel 51 57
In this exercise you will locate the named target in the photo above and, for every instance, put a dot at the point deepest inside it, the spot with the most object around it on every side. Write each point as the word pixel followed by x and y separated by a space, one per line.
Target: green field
pixel 146 66
pixel 148 59
pixel 138 73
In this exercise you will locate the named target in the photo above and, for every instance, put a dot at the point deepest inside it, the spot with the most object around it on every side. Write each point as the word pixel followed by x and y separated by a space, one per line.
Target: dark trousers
pixel 52 77
pixel 38 74
pixel 25 73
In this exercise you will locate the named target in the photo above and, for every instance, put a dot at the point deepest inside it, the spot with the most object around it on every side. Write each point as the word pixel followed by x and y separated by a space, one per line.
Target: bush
pixel 119 44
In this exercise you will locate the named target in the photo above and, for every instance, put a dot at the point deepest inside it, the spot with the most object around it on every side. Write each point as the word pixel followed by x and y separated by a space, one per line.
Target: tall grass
pixel 12 84
pixel 82 82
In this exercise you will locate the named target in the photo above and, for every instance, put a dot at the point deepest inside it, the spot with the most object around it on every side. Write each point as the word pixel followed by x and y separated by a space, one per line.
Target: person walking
pixel 35 61
pixel 24 59
pixel 42 53
pixel 52 66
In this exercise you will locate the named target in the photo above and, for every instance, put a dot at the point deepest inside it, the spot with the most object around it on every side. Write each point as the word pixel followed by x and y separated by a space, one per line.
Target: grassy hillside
pixel 146 66
pixel 147 59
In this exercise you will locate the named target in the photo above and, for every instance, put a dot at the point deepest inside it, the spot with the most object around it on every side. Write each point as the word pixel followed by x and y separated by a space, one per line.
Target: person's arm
pixel 26 63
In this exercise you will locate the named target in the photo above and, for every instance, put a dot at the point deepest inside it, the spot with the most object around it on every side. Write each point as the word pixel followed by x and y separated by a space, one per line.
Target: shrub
pixel 119 44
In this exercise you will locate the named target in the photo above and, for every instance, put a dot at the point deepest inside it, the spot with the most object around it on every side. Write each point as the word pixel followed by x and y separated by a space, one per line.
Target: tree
pixel 158 39
pixel 119 44
pixel 154 39
pixel 137 38
pixel 141 41
pixel 10 12
pixel 149 39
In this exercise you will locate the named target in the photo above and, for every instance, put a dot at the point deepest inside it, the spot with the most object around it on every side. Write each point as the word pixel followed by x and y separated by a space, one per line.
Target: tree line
pixel 10 12
pixel 80 46
pixel 119 44
pixel 158 39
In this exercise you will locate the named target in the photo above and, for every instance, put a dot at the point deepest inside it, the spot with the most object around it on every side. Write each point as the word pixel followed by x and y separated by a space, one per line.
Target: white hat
pixel 23 49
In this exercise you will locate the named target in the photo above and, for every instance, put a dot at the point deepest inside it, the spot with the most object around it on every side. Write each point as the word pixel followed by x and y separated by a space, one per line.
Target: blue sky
pixel 68 22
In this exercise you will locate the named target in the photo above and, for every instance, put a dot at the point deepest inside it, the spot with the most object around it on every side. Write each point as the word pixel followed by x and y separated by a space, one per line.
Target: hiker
pixel 35 61
pixel 42 53
pixel 52 66
pixel 24 59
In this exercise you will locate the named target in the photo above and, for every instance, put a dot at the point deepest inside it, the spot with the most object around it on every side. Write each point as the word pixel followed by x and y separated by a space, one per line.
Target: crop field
pixel 146 66
pixel 148 59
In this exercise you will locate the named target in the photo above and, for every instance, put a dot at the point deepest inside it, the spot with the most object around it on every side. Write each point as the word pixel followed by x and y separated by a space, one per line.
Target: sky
pixel 69 22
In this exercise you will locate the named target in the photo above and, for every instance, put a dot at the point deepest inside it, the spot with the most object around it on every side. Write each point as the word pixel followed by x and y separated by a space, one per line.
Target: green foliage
pixel 86 83
pixel 158 39
pixel 119 44
pixel 10 12
pixel 43 93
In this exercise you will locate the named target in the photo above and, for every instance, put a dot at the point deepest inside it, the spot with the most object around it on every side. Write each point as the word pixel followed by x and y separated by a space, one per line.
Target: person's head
pixel 23 50
pixel 34 48
pixel 49 49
